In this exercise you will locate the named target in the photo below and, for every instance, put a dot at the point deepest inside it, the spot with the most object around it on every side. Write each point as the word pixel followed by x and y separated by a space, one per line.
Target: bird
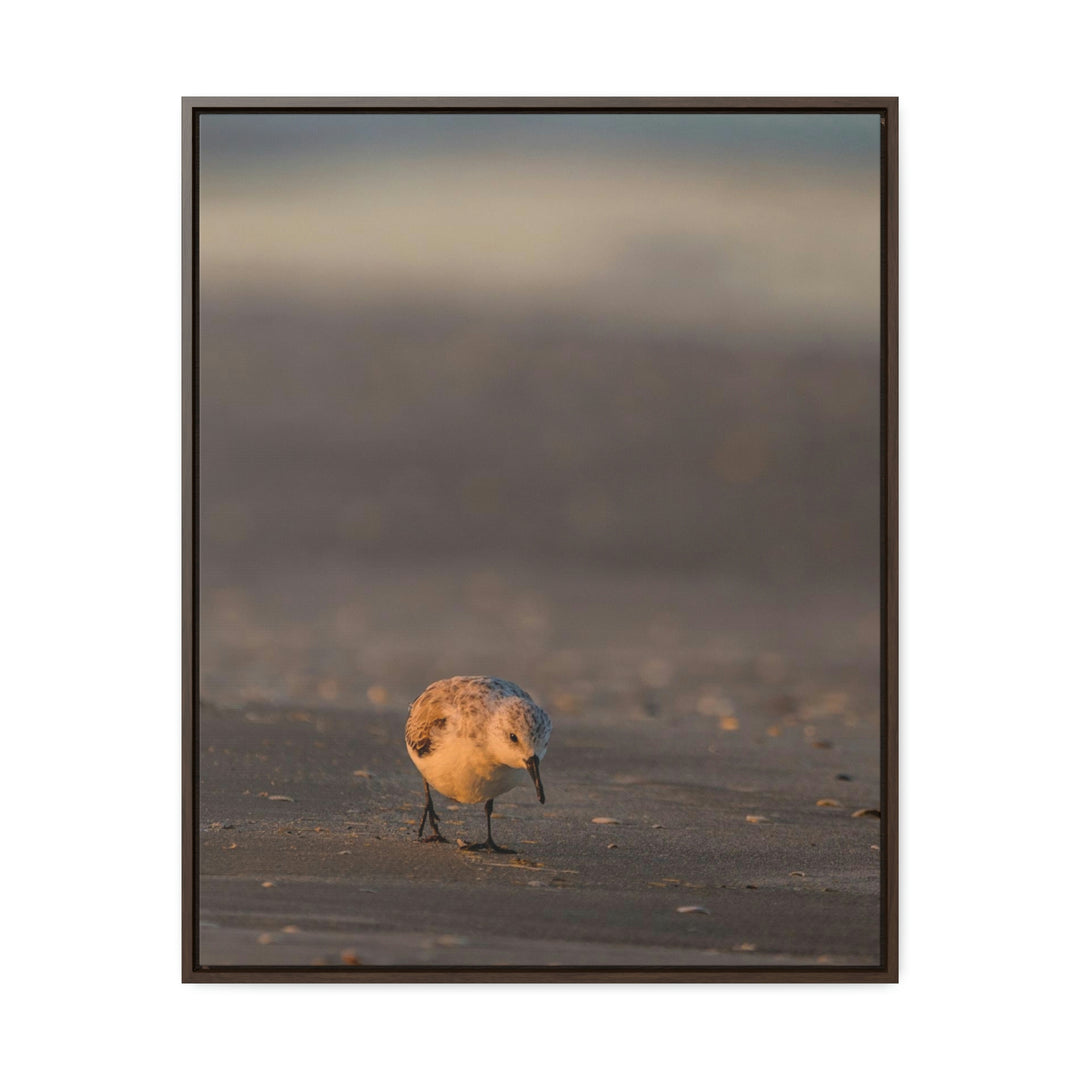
pixel 473 737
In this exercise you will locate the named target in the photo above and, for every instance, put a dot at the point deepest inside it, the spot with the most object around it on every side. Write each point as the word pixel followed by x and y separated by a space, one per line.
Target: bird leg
pixel 430 815
pixel 489 844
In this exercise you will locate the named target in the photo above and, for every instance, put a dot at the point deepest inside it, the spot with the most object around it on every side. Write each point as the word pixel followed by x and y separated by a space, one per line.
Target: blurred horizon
pixel 635 347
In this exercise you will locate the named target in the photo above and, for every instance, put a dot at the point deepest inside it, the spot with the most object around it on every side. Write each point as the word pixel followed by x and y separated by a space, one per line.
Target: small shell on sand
pixel 867 813
pixel 605 821
pixel 693 909
pixel 826 802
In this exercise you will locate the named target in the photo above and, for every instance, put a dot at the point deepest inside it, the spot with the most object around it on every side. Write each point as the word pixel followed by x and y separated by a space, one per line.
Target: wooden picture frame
pixel 732 960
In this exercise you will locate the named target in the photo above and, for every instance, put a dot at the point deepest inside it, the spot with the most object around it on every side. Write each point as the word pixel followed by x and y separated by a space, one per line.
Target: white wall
pixel 91 463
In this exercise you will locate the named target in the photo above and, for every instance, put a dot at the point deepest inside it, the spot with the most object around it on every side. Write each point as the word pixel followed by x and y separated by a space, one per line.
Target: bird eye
pixel 513 738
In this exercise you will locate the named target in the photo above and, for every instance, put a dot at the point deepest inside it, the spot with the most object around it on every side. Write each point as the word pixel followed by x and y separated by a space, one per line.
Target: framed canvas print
pixel 540 534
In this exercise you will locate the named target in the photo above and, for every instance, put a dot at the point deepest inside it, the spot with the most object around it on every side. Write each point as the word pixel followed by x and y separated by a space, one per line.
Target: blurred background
pixel 587 402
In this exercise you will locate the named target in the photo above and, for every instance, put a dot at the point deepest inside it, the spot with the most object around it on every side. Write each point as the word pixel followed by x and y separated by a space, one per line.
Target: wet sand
pixel 308 855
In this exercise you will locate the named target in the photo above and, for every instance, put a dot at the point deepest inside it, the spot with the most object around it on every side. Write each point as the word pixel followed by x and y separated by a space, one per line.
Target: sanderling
pixel 472 738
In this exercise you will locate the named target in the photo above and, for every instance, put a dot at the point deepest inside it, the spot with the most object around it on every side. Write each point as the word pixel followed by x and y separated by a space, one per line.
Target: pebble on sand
pixel 693 909
pixel 756 819
pixel 605 821
pixel 826 802
pixel 267 884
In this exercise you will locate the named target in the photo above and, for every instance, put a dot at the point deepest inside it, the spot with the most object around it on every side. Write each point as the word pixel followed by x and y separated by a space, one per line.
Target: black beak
pixel 533 765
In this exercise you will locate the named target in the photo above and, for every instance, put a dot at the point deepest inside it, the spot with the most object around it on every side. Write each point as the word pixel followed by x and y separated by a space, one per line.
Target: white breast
pixel 462 771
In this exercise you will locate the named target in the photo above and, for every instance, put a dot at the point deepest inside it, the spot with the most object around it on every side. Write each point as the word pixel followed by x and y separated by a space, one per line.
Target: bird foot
pixel 489 845
pixel 434 838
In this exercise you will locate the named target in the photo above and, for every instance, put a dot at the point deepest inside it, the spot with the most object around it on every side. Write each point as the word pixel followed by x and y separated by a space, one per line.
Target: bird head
pixel 520 739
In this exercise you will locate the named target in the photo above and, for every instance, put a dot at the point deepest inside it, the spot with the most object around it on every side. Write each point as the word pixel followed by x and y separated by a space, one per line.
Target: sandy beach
pixel 730 779
pixel 590 405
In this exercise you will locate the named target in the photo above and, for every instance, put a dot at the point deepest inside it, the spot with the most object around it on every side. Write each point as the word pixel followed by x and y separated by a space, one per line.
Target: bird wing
pixel 427 717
